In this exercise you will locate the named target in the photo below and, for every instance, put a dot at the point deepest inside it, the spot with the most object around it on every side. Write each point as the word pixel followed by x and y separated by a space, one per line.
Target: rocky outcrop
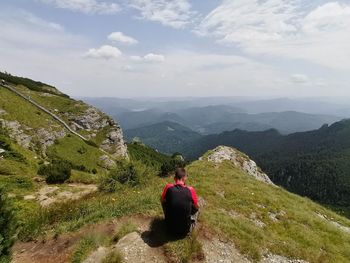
pixel 91 119
pixel 106 162
pixel 114 142
pixel 17 132
pixel 47 137
pixel 240 160
pixel 94 121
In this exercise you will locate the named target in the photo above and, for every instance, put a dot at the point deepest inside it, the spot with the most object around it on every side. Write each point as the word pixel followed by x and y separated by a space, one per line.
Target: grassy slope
pixel 299 233
pixel 17 176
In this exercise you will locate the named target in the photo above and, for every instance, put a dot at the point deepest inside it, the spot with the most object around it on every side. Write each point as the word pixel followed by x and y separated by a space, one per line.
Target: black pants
pixel 184 226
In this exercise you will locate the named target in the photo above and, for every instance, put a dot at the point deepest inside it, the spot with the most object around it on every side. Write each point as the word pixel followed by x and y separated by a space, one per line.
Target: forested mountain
pixel 314 164
pixel 167 137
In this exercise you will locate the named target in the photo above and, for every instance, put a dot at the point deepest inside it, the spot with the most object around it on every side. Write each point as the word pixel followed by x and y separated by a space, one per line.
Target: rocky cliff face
pixel 240 160
pixel 94 121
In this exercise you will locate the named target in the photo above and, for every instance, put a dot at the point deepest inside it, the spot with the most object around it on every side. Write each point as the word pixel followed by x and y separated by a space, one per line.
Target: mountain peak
pixel 239 159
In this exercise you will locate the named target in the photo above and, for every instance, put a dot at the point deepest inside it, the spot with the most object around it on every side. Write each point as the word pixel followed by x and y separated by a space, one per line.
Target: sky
pixel 177 48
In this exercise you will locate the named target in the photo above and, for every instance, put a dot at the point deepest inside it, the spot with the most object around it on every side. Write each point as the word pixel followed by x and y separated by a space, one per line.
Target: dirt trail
pixel 143 246
pixel 61 249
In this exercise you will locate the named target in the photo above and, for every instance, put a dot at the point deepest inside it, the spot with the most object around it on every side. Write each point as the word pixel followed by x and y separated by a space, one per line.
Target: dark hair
pixel 180 173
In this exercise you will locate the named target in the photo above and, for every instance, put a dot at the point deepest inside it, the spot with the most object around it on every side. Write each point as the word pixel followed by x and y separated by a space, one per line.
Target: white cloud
pixel 122 38
pixel 299 78
pixel 286 28
pixel 85 6
pixel 23 29
pixel 104 52
pixel 174 13
pixel 154 57
pixel 151 57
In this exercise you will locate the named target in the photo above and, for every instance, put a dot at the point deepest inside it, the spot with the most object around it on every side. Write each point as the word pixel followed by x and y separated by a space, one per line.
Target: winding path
pixel 44 109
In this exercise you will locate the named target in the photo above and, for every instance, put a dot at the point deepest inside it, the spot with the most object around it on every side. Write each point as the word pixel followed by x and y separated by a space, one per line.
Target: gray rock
pixel 97 256
pixel 94 120
pixel 271 258
pixel 134 249
pixel 16 132
pixel 240 160
pixel 47 137
pixel 114 143
pixel 106 162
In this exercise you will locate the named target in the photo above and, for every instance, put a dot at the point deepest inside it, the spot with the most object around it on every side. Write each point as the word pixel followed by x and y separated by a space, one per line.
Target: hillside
pixel 167 137
pixel 242 219
pixel 313 164
pixel 106 208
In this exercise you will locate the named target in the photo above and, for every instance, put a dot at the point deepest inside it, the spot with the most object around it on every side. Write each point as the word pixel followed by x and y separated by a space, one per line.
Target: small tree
pixel 57 172
pixel 124 174
pixel 7 227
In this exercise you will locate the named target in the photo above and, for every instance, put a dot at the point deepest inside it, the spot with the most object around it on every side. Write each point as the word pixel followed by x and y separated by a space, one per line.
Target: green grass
pixel 26 114
pixel 147 155
pixel 52 102
pixel 299 232
pixel 70 216
pixel 184 250
pixel 68 148
pixel 125 229
pixel 113 257
pixel 86 246
pixel 83 177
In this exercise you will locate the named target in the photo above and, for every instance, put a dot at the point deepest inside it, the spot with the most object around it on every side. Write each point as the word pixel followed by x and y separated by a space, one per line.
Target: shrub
pixel 91 143
pixel 82 150
pixel 10 153
pixel 57 172
pixel 7 227
pixel 170 166
pixel 124 174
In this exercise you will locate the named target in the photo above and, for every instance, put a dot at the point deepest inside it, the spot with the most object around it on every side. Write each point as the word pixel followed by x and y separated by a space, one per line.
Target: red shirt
pixel 193 192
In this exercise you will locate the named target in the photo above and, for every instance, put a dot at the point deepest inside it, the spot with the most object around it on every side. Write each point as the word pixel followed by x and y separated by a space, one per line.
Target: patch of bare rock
pixel 240 160
pixel 132 248
pixel 48 195
pixel 271 258
pixel 334 223
pixel 217 251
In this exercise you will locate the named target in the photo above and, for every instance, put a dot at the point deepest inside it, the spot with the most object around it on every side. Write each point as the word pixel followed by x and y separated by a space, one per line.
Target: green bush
pixel 170 166
pixel 124 174
pixel 7 227
pixel 5 144
pixel 57 172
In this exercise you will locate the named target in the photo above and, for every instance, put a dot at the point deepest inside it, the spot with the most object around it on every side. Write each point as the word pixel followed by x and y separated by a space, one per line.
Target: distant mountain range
pixel 216 118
